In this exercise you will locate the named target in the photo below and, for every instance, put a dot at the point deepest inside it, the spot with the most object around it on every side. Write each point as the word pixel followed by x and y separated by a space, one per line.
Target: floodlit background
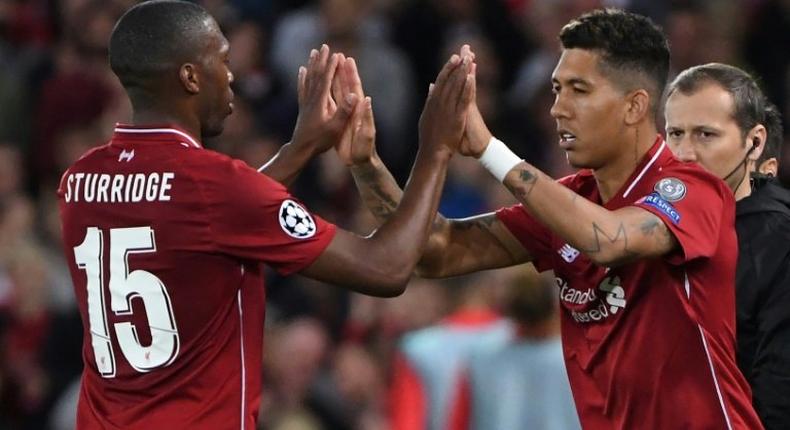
pixel 333 360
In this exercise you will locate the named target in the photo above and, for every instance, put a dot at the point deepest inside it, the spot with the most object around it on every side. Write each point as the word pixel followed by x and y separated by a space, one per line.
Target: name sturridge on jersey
pixel 130 188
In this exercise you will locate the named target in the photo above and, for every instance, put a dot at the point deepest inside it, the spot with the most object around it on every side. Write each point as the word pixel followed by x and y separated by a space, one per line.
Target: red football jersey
pixel 651 344
pixel 165 241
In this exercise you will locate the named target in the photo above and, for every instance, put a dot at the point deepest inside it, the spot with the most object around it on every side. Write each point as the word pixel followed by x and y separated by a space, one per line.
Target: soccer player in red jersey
pixel 166 240
pixel 642 245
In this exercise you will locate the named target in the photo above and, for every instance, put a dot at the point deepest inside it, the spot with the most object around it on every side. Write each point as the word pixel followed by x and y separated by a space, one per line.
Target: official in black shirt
pixel 717 116
pixel 763 298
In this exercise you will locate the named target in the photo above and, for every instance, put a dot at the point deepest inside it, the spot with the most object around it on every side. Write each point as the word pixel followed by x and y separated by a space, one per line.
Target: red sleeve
pixel 252 216
pixel 532 234
pixel 407 400
pixel 691 203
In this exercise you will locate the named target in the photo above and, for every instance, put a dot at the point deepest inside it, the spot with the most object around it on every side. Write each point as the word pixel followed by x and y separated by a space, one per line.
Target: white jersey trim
pixel 715 379
pixel 687 286
pixel 243 368
pixel 646 168
pixel 158 130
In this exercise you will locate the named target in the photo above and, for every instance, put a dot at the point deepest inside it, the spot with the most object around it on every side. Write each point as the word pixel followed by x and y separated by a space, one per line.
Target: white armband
pixel 499 159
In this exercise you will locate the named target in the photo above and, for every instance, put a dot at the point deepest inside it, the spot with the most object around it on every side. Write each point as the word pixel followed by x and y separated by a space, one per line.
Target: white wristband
pixel 499 159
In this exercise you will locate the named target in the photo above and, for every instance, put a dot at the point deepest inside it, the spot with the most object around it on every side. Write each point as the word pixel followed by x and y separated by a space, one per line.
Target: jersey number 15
pixel 123 287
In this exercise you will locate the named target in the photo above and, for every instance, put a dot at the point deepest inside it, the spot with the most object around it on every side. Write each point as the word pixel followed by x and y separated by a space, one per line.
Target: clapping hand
pixel 444 116
pixel 357 145
pixel 322 120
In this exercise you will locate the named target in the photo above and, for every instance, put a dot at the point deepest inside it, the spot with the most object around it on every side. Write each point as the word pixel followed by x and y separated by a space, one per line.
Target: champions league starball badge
pixel 295 220
pixel 671 189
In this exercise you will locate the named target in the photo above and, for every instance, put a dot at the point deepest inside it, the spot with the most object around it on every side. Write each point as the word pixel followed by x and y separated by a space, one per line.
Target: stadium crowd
pixel 333 360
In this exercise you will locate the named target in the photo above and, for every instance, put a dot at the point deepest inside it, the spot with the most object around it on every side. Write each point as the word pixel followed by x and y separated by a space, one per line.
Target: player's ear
pixel 769 167
pixel 755 141
pixel 637 106
pixel 188 76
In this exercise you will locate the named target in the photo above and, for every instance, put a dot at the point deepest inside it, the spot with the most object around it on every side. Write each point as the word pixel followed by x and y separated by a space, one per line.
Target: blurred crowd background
pixel 331 358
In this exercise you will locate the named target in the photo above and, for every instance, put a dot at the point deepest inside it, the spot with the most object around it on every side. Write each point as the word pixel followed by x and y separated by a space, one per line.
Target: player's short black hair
pixel 634 50
pixel 154 37
pixel 751 107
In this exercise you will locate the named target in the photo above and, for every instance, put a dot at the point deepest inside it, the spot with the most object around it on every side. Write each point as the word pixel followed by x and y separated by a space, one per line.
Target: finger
pixel 357 118
pixel 322 63
pixel 310 77
pixel 341 81
pixel 467 96
pixel 466 50
pixel 338 91
pixel 331 105
pixel 323 56
pixel 368 122
pixel 353 79
pixel 342 74
pixel 461 100
pixel 328 76
pixel 313 59
pixel 455 82
pixel 346 108
pixel 428 98
pixel 449 66
pixel 300 90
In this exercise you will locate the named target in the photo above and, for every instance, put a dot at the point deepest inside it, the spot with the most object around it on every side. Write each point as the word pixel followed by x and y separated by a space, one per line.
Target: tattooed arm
pixel 609 238
pixel 455 246
pixel 378 189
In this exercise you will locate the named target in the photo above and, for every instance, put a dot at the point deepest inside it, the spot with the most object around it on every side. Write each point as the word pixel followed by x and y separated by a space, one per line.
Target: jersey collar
pixel 155 132
pixel 658 151
pixel 655 157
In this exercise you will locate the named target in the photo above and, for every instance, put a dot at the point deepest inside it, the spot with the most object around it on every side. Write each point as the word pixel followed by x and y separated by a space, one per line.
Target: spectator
pixel 523 384
pixel 428 377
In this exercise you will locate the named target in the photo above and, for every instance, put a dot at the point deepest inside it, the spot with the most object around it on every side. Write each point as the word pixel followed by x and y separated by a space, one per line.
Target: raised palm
pixel 322 120
pixel 357 144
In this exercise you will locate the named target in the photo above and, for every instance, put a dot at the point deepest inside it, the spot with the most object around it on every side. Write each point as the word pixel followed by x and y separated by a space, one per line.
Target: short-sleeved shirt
pixel 651 344
pixel 166 241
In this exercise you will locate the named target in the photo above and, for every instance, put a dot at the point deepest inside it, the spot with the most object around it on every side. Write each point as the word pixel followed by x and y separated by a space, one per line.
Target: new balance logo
pixel 126 156
pixel 568 253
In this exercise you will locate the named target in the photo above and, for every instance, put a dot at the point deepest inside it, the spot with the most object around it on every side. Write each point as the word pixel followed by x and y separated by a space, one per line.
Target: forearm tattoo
pixel 484 224
pixel 381 201
pixel 653 227
pixel 526 182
